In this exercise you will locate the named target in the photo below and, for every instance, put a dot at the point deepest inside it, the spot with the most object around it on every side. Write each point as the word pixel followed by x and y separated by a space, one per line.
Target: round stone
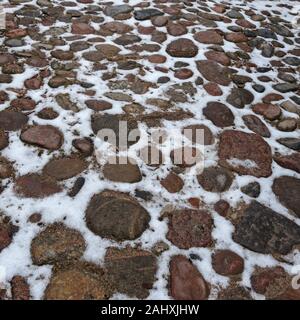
pixel 182 48
pixel 227 263
pixel 115 215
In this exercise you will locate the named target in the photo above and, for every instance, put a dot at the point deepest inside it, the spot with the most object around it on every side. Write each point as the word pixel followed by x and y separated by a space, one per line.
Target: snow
pixel 16 258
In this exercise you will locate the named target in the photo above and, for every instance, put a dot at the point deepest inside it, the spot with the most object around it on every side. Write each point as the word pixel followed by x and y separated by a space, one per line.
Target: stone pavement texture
pixel 75 226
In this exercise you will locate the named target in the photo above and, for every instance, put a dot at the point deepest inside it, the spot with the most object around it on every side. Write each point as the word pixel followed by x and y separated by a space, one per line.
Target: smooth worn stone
pixel 124 170
pixel 79 281
pixel 265 231
pixel 186 282
pixel 222 207
pixel 252 189
pixel 293 61
pixel 36 186
pixel 291 161
pixel 182 47
pixel 236 37
pixel 12 121
pixel 220 115
pixel 227 263
pixel 64 168
pixel 127 39
pixel 57 243
pixel 84 146
pixel 93 56
pixel 172 183
pixel 219 57
pixel 267 110
pixel 245 153
pixel 176 29
pixel 213 89
pixel 199 133
pixel 190 228
pixel 287 124
pixel 98 105
pixel 209 37
pixel 292 143
pixel 239 97
pixel 146 14
pixel 290 107
pixel 113 122
pixel 254 124
pixel 287 189
pixel 212 71
pixel 215 179
pixel 115 215
pixel 131 271
pixel 79 46
pixel 286 87
pixel 7 231
pixel 258 88
pixel 44 136
pixel 82 28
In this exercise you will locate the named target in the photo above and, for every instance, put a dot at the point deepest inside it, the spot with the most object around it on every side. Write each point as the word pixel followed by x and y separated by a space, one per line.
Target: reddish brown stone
pixel 12 121
pixel 190 228
pixel 20 289
pixel 291 161
pixel 245 153
pixel 209 37
pixel 219 57
pixel 182 47
pixel 172 182
pixel 186 282
pixel 236 37
pixel 82 28
pixel 212 71
pixel 45 136
pixel 36 186
pixel 64 168
pixel 84 145
pixel 213 89
pixel 271 282
pixel 271 97
pixel 199 131
pixel 98 105
pixel 183 73
pixel 176 29
pixel 227 263
pixel 222 207
pixel 23 104
pixel 269 111
pixel 157 58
